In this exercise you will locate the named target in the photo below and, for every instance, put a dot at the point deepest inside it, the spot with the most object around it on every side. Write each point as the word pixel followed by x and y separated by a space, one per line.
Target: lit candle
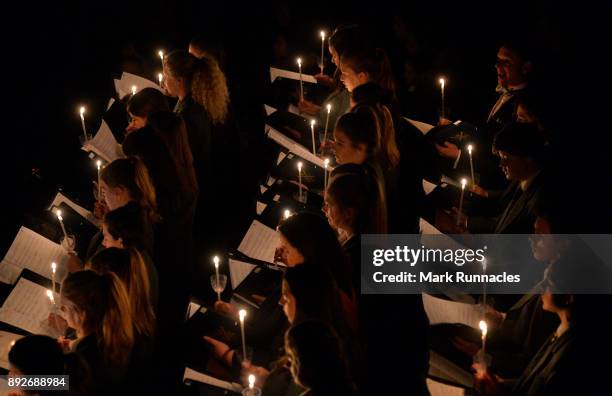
pixel 326 123
pixel 470 148
pixel 287 214
pixel 314 148
pixel 133 90
pixel 53 270
pixel 299 62
pixel 242 314
pixel 251 381
pixel 484 284
pixel 82 115
pixel 442 84
pixel 300 180
pixel 12 343
pixel 483 328
pixel 216 261
pixel 99 166
pixel 460 214
pixel 61 221
pixel 160 77
pixel 50 295
pixel 322 49
pixel 325 174
pixel 160 53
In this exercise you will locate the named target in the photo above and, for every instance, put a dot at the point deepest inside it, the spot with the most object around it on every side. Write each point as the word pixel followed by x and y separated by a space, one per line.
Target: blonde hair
pixel 205 79
pixel 105 303
pixel 129 266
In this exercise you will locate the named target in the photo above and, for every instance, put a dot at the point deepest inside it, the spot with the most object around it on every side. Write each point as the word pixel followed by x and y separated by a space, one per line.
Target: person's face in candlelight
pixel 172 86
pixel 543 244
pixel 195 51
pixel 71 314
pixel 337 219
pixel 335 56
pixel 523 116
pixel 115 197
pixel 350 78
pixel 287 253
pixel 511 69
pixel 346 152
pixel 288 301
pixel 515 168
pixel 109 241
pixel 136 123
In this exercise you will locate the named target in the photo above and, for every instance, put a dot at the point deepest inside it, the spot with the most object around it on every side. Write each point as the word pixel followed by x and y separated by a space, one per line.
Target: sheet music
pixel 427 228
pixel 259 242
pixel 275 73
pixel 6 339
pixel 61 198
pixel 444 311
pixel 281 157
pixel 110 103
pixel 421 126
pixel 34 252
pixel 27 308
pixel 439 389
pixel 447 180
pixel 192 309
pixel 239 271
pixel 104 144
pixel 428 187
pixel 445 369
pixel 295 147
pixel 261 207
pixel 193 375
pixel 124 85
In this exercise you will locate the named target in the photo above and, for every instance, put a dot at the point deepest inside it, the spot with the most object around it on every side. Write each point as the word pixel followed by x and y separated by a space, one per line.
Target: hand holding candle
pixel 299 62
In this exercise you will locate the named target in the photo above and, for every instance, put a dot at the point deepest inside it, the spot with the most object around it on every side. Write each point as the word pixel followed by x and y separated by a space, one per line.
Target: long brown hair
pixel 205 80
pixel 132 174
pixel 130 267
pixel 372 61
pixel 146 102
pixel 388 151
pixel 106 307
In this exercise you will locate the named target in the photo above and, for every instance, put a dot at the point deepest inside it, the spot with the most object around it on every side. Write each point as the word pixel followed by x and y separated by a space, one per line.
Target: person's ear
pixel 363 77
pixel 362 148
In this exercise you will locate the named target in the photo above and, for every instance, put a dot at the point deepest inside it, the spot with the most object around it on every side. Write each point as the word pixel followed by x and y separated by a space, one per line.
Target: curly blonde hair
pixel 205 79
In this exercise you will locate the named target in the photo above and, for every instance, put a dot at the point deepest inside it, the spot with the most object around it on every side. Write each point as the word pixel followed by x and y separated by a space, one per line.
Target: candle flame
pixel 312 123
pixel 299 62
pixel 300 166
pixel 483 327
pixel 216 261
pixel 50 295
pixel 326 162
pixel 82 110
pixel 98 164
pixel 470 148
pixel 242 314
pixel 287 214
pixel 133 89
pixel 463 183
pixel 442 82
pixel 322 34
pixel 328 108
pixel 53 267
pixel 161 54
pixel 58 213
pixel 160 77
pixel 12 343
pixel 251 381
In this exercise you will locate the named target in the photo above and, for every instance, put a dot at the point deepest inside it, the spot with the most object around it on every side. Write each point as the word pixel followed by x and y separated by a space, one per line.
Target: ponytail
pixel 386 148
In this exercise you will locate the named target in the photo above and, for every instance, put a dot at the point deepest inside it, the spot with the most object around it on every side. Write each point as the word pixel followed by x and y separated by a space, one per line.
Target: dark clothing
pixel 280 383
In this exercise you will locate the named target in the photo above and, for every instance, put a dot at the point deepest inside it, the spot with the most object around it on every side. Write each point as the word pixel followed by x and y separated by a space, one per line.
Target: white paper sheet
pixel 261 207
pixel 193 309
pixel 110 103
pixel 281 157
pixel 263 189
pixel 6 339
pixel 295 147
pixel 428 187
pixel 104 144
pixel 27 308
pixel 445 369
pixel 269 109
pixel 439 389
pixel 259 242
pixel 192 375
pixel 61 198
pixel 427 228
pixel 421 126
pixel 444 311
pixel 239 271
pixel 34 252
pixel 275 73
pixel 124 85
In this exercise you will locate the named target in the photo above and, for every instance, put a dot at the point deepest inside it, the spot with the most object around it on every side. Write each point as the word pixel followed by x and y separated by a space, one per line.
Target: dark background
pixel 63 54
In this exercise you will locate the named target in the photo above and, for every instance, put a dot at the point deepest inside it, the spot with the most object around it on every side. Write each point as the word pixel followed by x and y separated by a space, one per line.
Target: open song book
pixel 62 199
pixel 259 242
pixel 104 145
pixel 191 375
pixel 124 85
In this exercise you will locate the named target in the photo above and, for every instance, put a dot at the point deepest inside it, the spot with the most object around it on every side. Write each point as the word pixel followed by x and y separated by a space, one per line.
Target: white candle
pixel 160 53
pixel 325 174
pixel 460 214
pixel 61 221
pixel 99 166
pixel 322 49
pixel 299 62
pixel 300 180
pixel 483 328
pixel 216 261
pixel 484 284
pixel 53 270
pixel 242 314
pixel 133 90
pixel 82 115
pixel 160 77
pixel 470 148
pixel 442 84
pixel 287 214
pixel 326 123
pixel 50 295
pixel 251 381
pixel 314 148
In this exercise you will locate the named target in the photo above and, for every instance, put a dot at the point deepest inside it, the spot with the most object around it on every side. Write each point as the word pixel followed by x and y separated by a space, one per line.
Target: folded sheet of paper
pixel 443 368
pixel 269 109
pixel 239 270
pixel 440 310
pixel 427 228
pixel 61 198
pixel 421 126
pixel 6 341
pixel 275 73
pixel 128 80
pixel 261 207
pixel 295 147
pixel 192 375
pixel 259 242
pixel 27 308
pixel 428 187
pixel 104 144
pixel 440 389
pixel 34 252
